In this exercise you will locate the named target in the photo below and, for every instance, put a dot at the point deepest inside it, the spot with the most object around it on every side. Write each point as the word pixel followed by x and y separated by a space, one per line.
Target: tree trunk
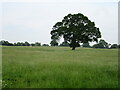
pixel 73 48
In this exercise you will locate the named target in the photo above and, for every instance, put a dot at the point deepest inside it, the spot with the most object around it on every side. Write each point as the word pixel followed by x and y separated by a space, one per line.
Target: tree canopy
pixel 75 29
pixel 114 46
pixel 102 44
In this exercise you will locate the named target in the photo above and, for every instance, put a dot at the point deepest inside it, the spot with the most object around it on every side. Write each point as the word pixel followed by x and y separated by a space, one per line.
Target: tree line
pixel 101 44
pixel 6 43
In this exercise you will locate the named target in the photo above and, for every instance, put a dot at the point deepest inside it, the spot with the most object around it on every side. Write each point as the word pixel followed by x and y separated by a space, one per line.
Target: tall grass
pixel 59 67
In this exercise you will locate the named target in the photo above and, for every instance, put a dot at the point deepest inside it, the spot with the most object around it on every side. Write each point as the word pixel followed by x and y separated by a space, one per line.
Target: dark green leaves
pixel 75 29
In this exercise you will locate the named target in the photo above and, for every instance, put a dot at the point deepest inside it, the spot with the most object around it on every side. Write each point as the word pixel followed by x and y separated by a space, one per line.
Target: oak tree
pixel 75 29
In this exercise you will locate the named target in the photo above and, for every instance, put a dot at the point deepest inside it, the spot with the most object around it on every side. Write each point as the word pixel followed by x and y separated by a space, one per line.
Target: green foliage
pixel 99 45
pixel 32 44
pixel 21 44
pixel 75 29
pixel 45 45
pixel 37 44
pixel 5 43
pixel 58 67
pixel 102 44
pixel 114 46
pixel 54 43
pixel 27 44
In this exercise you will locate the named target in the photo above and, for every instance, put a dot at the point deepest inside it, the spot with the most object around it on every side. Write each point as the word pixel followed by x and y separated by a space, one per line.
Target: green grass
pixel 59 67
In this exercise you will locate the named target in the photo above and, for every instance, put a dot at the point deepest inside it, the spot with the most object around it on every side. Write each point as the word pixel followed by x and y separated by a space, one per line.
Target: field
pixel 59 67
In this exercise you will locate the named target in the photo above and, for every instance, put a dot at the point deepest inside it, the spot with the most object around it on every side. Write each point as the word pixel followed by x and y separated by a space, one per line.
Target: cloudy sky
pixel 32 21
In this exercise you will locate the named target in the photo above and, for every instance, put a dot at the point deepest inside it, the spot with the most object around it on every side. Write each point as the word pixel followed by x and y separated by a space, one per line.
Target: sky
pixel 32 21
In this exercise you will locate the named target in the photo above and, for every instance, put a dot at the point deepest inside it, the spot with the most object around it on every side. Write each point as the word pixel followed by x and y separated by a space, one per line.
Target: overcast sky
pixel 32 21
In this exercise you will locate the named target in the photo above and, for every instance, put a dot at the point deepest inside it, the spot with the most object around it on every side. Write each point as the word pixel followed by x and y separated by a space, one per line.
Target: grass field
pixel 59 67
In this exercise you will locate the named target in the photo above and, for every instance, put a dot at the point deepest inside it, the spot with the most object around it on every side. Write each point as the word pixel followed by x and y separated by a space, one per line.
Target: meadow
pixel 59 67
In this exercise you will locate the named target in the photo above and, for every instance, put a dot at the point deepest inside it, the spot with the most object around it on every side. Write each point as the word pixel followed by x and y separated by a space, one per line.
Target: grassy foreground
pixel 59 67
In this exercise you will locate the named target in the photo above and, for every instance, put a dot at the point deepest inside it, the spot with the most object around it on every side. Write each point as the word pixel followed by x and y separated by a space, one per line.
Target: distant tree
pixel 5 43
pixel 32 44
pixel 37 44
pixel 10 44
pixel 15 44
pixel 102 44
pixel 75 29
pixel 21 44
pixel 18 44
pixel 45 45
pixel 105 44
pixel 27 44
pixel 86 45
pixel 99 45
pixel 114 46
